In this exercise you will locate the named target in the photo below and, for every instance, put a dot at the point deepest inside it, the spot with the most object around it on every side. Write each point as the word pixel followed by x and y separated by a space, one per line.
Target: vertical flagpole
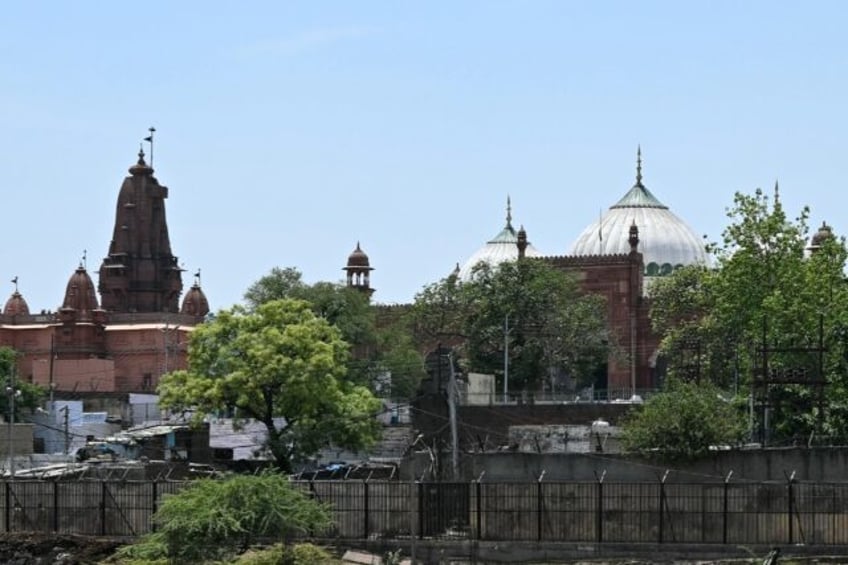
pixel 149 139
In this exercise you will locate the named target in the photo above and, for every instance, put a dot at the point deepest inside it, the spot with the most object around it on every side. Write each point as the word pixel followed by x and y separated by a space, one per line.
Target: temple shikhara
pixel 138 329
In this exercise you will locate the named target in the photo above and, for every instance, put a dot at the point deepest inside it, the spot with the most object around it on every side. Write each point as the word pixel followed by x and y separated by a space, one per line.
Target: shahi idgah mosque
pixel 617 256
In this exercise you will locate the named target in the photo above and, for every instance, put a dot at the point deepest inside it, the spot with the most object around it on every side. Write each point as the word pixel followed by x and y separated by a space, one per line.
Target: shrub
pixel 683 423
pixel 220 518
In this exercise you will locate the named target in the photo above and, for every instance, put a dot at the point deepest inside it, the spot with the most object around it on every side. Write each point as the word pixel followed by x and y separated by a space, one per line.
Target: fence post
pixel 155 501
pixel 662 505
pixel 599 511
pixel 725 508
pixel 420 510
pixel 479 493
pixel 103 489
pixel 539 507
pixel 412 533
pixel 8 500
pixel 55 506
pixel 365 508
pixel 790 505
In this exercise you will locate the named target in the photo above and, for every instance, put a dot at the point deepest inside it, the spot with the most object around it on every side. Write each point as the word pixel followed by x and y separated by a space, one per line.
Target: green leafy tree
pixel 216 519
pixel 28 396
pixel 375 351
pixel 766 290
pixel 438 313
pixel 283 366
pixel 528 307
pixel 281 282
pixel 683 422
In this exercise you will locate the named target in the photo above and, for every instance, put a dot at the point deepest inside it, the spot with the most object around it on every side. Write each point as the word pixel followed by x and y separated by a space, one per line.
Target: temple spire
pixel 776 193
pixel 508 212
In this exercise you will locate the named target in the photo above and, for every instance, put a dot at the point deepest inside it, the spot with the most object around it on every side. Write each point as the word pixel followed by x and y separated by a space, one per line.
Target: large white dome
pixel 503 247
pixel 665 241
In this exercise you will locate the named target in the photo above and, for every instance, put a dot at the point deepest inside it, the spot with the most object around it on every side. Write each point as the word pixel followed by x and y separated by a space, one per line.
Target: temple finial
pixel 639 165
pixel 197 278
pixel 776 193
pixel 15 282
pixel 508 211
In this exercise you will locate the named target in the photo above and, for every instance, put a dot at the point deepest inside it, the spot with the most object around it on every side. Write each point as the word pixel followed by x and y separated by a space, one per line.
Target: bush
pixel 220 518
pixel 683 423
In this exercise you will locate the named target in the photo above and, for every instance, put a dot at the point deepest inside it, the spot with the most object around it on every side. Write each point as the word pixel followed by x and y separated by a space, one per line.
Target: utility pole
pixel 50 370
pixel 10 424
pixel 453 423
pixel 67 429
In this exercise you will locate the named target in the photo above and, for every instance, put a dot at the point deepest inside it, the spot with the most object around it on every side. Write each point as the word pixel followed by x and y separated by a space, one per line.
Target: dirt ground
pixel 49 549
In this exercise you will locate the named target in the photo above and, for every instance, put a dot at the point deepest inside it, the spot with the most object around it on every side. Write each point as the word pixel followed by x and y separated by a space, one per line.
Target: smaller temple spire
pixel 639 165
pixel 508 212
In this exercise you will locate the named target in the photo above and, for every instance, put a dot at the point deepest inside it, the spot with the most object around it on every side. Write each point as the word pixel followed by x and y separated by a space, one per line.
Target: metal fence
pixel 727 512
pixel 595 512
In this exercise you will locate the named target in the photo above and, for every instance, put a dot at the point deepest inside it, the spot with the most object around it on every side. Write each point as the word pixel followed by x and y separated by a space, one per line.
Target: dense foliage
pixel 683 423
pixel 376 351
pixel 28 396
pixel 769 302
pixel 216 519
pixel 550 331
pixel 283 366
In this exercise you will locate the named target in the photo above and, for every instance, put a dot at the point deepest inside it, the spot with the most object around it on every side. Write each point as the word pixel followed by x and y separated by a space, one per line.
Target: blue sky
pixel 288 131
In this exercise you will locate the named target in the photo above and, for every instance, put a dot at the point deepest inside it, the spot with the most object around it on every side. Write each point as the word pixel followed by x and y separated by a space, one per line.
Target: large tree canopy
pixel 527 309
pixel 375 351
pixel 283 366
pixel 768 302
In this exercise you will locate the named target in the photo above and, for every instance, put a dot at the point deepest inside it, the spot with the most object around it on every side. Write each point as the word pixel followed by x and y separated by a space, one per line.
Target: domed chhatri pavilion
pixel 637 239
pixel 137 332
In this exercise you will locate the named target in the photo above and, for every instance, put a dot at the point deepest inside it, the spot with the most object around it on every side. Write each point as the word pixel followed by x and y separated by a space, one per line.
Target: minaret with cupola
pixel 358 270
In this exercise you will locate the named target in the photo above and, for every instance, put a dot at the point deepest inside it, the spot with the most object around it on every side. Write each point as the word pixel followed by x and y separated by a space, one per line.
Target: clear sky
pixel 288 131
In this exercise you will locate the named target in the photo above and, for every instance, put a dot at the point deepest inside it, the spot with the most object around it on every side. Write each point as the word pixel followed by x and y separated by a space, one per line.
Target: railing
pixel 600 395
pixel 728 512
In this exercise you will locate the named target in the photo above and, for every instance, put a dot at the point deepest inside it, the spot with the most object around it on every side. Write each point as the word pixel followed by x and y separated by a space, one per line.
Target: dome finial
pixel 639 165
pixel 15 282
pixel 508 212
